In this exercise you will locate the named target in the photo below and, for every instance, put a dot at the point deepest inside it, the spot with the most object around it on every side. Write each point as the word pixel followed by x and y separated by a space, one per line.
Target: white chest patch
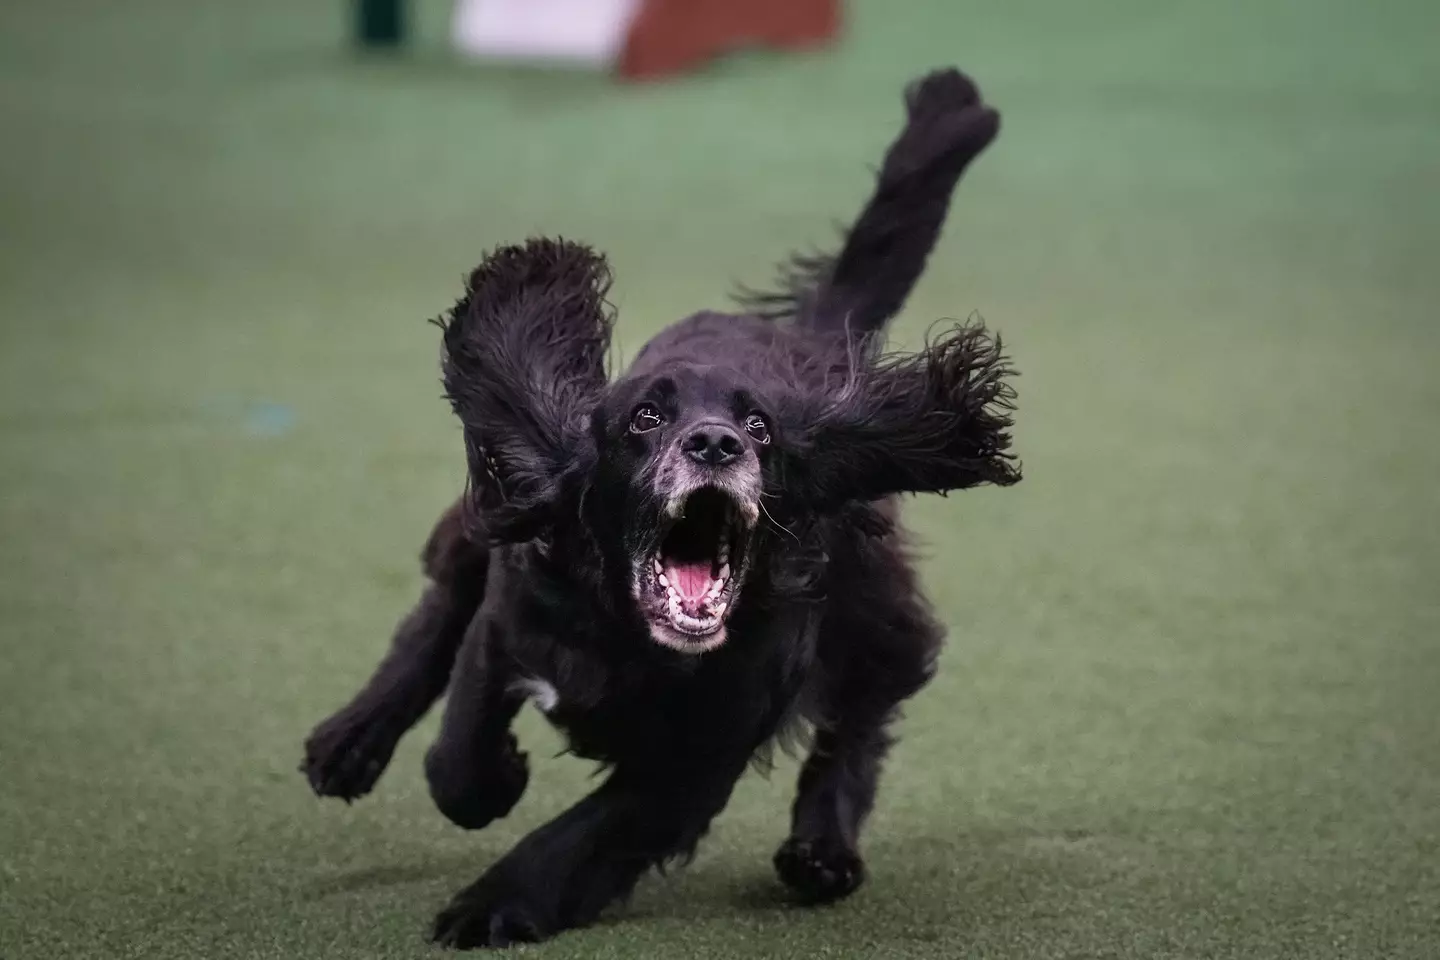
pixel 543 692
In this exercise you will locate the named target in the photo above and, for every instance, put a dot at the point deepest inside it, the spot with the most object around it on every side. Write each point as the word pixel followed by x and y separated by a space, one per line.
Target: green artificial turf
pixel 1189 707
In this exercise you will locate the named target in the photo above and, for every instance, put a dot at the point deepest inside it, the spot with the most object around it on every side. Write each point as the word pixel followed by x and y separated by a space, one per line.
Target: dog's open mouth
pixel 689 583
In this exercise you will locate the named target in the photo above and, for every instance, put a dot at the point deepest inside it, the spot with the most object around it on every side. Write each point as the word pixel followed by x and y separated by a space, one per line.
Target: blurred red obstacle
pixel 636 39
pixel 671 36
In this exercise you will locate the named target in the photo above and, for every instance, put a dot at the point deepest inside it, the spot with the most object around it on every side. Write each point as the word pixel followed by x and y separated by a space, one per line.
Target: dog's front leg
pixel 475 768
pixel 346 754
pixel 876 650
pixel 565 873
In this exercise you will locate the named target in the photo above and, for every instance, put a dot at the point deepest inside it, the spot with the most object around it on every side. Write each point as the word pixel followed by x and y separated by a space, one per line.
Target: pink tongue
pixel 691 580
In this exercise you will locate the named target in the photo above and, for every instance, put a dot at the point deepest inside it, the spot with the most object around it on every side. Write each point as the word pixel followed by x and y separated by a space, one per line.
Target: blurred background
pixel 1188 708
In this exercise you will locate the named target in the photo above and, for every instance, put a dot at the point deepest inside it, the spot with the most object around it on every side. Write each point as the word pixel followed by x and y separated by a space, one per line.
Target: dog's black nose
pixel 713 444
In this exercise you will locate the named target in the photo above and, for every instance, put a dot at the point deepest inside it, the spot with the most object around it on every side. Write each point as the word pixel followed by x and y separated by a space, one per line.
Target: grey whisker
pixel 775 523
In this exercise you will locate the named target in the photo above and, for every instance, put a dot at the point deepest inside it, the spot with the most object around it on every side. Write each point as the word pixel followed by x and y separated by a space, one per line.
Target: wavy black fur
pixel 534 584
pixel 524 361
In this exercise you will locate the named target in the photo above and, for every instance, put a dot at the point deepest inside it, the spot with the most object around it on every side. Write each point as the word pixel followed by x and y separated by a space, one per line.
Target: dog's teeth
pixel 724 571
pixel 663 581
pixel 659 569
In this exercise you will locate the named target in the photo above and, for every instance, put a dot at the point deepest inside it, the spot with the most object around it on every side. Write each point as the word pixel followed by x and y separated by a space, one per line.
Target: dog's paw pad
pixel 469 923
pixel 948 124
pixel 941 91
pixel 345 755
pixel 819 870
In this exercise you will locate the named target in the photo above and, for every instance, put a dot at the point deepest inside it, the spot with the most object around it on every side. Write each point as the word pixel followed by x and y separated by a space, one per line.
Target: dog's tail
pixel 885 249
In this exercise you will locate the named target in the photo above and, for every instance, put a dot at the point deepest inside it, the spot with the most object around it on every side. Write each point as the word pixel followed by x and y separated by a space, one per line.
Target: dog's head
pixel 682 461
pixel 661 479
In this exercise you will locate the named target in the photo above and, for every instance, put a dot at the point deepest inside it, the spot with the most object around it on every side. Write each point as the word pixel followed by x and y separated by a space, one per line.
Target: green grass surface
pixel 1189 706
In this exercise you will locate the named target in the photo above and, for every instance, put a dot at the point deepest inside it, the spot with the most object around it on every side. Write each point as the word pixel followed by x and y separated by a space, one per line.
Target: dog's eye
pixel 646 418
pixel 758 429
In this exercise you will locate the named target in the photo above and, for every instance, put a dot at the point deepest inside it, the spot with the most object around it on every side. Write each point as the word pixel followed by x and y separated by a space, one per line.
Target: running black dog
pixel 685 563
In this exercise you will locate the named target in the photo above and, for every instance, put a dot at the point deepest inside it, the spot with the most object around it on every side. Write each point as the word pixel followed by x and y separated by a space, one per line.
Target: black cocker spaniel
pixel 682 564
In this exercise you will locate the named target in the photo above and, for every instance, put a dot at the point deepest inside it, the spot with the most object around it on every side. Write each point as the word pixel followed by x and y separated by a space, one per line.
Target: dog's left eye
pixel 646 418
pixel 758 429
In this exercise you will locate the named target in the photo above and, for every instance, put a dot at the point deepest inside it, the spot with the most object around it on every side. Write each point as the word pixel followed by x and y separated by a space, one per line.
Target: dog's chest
pixel 644 716
pixel 617 708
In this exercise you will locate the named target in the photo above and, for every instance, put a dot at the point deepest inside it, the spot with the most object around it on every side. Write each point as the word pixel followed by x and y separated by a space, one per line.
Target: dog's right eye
pixel 646 418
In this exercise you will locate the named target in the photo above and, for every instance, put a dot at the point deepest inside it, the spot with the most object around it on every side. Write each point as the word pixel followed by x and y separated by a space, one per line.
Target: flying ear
pixel 523 362
pixel 930 422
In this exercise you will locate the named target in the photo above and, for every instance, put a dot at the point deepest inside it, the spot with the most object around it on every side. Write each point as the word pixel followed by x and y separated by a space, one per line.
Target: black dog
pixel 682 565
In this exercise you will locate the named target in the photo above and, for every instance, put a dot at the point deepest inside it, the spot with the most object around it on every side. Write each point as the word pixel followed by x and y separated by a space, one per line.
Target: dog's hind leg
pixel 877 648
pixel 947 126
pixel 564 874
pixel 346 754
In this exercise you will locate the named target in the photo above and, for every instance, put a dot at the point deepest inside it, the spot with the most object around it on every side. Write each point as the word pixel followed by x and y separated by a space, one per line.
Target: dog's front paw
pixel 346 754
pixel 473 793
pixel 489 915
pixel 820 870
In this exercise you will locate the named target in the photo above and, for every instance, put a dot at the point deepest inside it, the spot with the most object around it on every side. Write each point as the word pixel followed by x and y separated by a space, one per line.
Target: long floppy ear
pixel 523 363
pixel 929 422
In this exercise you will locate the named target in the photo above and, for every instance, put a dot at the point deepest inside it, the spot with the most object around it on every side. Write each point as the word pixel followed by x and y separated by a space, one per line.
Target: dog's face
pixel 683 455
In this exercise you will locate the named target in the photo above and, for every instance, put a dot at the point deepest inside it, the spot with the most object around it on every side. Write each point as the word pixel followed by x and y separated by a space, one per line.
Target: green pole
pixel 380 23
